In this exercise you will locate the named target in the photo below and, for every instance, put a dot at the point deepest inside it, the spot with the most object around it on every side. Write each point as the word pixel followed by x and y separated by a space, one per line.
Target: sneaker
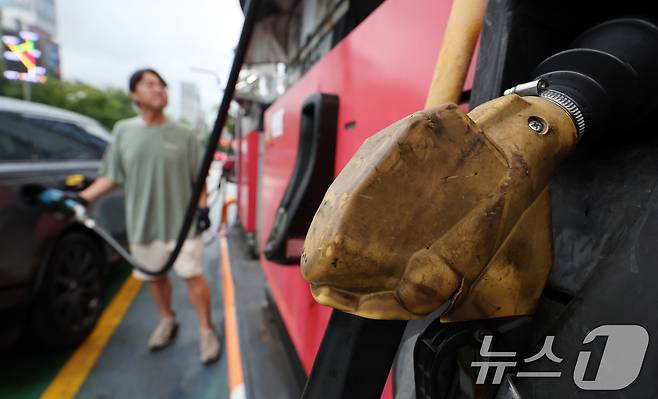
pixel 209 346
pixel 163 334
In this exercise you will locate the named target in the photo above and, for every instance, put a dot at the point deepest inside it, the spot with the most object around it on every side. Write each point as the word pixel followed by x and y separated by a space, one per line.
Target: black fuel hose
pixel 608 75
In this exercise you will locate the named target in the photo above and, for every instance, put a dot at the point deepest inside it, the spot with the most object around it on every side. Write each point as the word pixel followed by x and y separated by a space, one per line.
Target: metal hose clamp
pixel 540 88
pixel 568 105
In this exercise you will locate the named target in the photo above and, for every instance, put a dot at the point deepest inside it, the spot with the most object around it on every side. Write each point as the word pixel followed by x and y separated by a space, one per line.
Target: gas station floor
pixel 269 371
pixel 27 370
pixel 125 368
pixel 114 361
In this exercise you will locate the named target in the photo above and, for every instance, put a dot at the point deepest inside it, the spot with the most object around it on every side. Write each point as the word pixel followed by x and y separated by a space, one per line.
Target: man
pixel 156 161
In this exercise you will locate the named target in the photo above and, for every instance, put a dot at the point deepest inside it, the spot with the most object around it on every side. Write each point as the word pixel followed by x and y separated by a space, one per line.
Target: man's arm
pixel 203 199
pixel 97 189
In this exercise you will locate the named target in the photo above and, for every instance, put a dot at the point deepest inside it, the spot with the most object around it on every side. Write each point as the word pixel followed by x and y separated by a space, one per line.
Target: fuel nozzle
pixel 444 208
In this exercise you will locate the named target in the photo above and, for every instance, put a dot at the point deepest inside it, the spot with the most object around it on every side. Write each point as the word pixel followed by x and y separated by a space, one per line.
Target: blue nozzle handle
pixel 51 196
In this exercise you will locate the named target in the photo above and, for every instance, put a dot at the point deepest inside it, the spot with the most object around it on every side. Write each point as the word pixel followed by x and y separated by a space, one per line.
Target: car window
pixel 14 145
pixel 26 138
pixel 59 140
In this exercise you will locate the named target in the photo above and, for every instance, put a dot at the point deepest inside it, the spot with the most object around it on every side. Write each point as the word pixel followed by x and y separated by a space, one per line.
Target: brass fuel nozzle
pixel 441 207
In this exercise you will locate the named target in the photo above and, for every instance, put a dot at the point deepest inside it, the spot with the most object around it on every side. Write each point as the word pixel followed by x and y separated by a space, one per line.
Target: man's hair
pixel 137 76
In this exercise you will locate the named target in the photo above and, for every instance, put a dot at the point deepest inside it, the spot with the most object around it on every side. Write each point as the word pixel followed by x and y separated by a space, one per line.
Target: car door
pixel 41 151
pixel 80 150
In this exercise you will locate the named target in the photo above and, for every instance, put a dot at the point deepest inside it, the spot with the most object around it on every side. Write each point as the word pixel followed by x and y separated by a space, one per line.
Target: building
pixel 190 110
pixel 37 16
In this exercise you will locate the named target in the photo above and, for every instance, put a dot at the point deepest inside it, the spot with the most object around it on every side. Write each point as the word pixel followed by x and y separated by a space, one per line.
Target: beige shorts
pixel 154 254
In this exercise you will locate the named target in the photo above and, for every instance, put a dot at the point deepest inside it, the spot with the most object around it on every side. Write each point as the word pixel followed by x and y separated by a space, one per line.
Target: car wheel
pixel 68 304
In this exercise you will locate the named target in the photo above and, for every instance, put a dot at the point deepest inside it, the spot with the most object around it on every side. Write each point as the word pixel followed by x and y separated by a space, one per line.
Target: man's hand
pixel 78 198
pixel 97 189
pixel 202 219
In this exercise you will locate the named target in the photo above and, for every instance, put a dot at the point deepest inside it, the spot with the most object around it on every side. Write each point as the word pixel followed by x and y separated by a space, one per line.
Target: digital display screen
pixel 22 57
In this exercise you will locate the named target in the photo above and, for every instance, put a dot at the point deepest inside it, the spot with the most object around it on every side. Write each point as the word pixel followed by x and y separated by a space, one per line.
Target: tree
pixel 106 106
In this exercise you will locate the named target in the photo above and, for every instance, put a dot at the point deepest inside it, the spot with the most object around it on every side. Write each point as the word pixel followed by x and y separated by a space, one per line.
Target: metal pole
pixel 208 72
pixel 27 91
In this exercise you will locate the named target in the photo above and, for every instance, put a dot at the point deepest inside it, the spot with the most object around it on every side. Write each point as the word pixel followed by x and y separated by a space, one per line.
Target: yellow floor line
pixel 70 378
pixel 234 359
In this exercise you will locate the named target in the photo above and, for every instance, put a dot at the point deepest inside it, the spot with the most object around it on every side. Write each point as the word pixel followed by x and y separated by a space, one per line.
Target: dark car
pixel 51 268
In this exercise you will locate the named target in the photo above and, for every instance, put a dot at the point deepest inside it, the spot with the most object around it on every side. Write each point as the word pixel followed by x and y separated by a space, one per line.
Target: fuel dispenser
pixel 449 213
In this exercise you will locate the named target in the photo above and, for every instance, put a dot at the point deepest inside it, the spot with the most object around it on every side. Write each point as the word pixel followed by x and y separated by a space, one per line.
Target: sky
pixel 103 42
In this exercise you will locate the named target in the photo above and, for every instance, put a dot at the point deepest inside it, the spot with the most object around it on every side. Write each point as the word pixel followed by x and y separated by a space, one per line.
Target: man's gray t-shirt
pixel 156 165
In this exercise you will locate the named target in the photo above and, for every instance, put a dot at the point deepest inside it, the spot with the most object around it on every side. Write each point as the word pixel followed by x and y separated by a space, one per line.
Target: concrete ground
pixel 127 369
